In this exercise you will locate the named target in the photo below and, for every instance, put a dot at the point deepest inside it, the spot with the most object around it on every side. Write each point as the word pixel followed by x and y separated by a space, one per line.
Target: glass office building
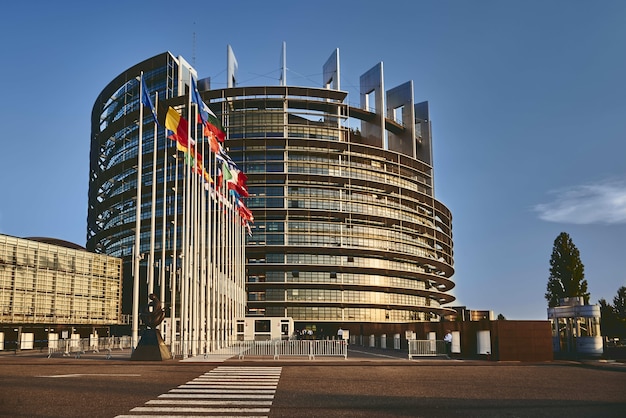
pixel 347 227
pixel 188 242
pixel 51 285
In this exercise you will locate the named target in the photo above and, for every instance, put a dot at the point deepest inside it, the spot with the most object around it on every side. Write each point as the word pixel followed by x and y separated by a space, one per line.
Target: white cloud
pixel 599 203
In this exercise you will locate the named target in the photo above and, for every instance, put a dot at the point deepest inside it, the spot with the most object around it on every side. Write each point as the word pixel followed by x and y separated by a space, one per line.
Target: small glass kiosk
pixel 575 328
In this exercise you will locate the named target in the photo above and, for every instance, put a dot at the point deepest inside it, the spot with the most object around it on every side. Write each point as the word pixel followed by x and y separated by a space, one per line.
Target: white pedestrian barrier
pixel 293 348
pixel 426 348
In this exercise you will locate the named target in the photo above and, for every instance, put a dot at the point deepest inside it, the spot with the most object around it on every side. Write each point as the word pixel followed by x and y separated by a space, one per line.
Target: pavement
pixel 356 354
pixel 371 383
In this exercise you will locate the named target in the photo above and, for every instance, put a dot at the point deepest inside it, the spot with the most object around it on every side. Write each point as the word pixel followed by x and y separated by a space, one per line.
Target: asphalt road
pixel 363 386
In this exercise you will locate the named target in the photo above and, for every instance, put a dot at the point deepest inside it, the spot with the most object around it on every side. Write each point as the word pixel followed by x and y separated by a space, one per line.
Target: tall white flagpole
pixel 187 259
pixel 184 262
pixel 153 211
pixel 209 257
pixel 213 258
pixel 202 251
pixel 137 247
pixel 174 266
pixel 164 215
pixel 194 227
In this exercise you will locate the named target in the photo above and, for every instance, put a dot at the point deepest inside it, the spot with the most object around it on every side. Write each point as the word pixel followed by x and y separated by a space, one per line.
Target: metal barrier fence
pixel 264 348
pixel 181 349
pixel 77 347
pixel 426 348
pixel 293 348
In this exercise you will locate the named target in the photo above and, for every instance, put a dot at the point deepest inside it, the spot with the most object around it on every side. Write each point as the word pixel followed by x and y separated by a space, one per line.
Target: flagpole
pixel 137 247
pixel 153 212
pixel 164 214
pixel 185 259
pixel 188 240
pixel 213 236
pixel 202 251
pixel 207 256
pixel 194 228
pixel 174 266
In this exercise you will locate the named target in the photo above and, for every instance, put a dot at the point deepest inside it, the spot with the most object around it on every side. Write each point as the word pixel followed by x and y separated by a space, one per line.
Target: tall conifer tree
pixel 567 272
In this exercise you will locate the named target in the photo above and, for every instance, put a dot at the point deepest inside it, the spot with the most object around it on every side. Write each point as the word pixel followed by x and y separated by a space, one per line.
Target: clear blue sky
pixel 527 100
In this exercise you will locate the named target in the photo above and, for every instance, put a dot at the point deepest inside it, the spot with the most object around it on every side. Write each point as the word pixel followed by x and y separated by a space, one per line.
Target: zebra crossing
pixel 224 391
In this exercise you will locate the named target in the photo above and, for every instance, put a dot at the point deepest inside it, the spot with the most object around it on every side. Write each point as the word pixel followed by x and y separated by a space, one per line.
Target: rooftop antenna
pixel 283 65
pixel 193 47
pixel 231 68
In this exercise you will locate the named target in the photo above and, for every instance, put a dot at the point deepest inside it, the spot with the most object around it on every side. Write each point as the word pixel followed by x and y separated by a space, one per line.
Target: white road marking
pixel 207 396
pixel 232 391
pixel 179 409
pixel 205 403
pixel 92 374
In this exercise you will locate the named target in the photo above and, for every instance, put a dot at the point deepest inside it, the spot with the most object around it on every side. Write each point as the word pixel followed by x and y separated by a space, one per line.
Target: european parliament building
pixel 346 230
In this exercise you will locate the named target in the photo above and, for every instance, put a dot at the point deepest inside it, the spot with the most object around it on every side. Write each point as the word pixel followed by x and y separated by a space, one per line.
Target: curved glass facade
pixel 346 225
pixel 190 250
pixel 345 230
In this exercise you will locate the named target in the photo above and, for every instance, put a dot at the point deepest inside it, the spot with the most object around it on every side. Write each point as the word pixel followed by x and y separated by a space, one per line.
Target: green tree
pixel 619 308
pixel 613 320
pixel 567 272
pixel 619 303
pixel 608 319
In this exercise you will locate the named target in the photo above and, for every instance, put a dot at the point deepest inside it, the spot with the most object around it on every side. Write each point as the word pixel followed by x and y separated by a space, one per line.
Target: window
pixel 262 325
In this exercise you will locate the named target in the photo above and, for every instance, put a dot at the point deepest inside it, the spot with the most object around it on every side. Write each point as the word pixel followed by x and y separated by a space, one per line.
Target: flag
pixel 213 128
pixel 237 181
pixel 220 178
pixel 244 212
pixel 213 142
pixel 231 185
pixel 235 178
pixel 226 174
pixel 175 123
pixel 145 99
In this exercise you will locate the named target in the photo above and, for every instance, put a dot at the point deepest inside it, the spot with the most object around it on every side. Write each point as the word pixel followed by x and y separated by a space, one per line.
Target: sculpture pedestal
pixel 151 347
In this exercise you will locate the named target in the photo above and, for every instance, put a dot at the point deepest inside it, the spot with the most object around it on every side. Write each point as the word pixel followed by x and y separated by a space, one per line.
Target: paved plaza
pixel 370 383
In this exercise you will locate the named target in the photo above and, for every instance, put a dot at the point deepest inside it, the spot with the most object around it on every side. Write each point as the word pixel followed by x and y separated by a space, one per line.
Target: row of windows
pixel 334 278
pixel 126 98
pixel 377 202
pixel 25 310
pixel 34 256
pixel 311 163
pixel 356 231
pixel 120 244
pixel 304 313
pixel 252 133
pixel 376 244
pixel 250 117
pixel 341 230
pixel 352 261
pixel 354 173
pixel 37 304
pixel 42 281
pixel 338 296
pixel 330 240
pixel 328 158
pixel 340 260
pixel 378 208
